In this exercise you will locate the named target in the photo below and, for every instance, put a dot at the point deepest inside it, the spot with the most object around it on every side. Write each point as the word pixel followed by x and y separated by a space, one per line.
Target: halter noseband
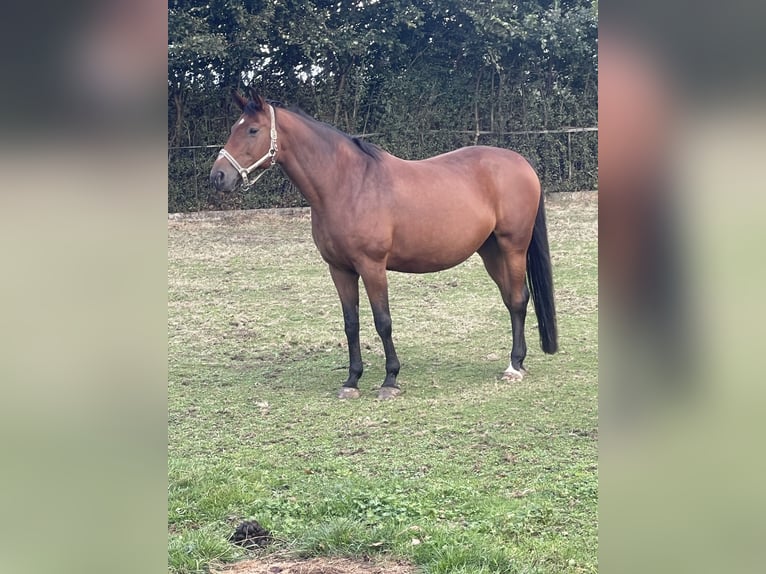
pixel 271 154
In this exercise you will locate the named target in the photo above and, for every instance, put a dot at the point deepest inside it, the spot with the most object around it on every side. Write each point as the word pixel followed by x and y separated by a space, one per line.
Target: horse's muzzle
pixel 217 178
pixel 223 179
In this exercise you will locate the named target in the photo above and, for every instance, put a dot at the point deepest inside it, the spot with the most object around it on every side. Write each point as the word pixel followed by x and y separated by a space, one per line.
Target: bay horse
pixel 372 212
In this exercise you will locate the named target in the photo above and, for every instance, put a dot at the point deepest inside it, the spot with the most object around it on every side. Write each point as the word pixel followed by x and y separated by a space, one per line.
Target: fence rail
pixel 468 132
pixel 565 158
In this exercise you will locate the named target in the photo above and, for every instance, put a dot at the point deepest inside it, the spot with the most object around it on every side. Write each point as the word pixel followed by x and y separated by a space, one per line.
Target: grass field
pixel 464 473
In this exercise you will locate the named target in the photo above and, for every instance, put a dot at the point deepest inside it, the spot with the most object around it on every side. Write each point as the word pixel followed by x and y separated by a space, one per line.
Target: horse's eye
pixel 253 131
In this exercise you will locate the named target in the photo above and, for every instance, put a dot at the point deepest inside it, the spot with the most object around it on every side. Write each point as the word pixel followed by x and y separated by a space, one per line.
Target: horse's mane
pixel 362 145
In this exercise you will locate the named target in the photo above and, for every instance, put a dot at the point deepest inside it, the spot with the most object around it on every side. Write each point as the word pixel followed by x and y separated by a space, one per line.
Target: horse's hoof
pixel 349 393
pixel 513 375
pixel 386 393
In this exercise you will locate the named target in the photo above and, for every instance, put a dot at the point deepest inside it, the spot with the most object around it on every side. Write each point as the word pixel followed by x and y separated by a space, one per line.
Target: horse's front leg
pixel 347 284
pixel 376 284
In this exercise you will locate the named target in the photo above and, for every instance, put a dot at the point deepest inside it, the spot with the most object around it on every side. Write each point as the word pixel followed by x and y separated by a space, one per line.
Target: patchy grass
pixel 462 473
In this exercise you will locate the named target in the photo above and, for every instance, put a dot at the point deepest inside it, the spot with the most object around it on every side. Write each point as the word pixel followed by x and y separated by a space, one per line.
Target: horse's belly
pixel 423 265
pixel 434 250
pixel 439 234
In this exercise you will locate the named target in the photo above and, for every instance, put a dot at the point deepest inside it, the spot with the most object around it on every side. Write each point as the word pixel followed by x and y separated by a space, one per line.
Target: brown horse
pixel 372 212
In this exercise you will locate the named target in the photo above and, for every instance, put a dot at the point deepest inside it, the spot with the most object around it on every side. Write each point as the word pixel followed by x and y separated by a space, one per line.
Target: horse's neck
pixel 315 164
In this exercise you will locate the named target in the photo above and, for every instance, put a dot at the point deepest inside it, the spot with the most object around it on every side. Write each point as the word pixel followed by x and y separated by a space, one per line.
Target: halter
pixel 271 154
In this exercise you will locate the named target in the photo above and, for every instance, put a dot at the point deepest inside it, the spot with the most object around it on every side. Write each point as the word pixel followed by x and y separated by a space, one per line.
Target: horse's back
pixel 491 169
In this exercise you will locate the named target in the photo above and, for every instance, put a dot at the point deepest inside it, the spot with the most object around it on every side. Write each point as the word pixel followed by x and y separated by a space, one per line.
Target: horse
pixel 372 212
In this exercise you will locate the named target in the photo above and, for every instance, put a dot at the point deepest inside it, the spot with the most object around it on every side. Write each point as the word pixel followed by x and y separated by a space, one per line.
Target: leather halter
pixel 244 172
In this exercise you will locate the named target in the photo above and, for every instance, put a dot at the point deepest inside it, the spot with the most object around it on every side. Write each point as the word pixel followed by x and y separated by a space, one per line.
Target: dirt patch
pixel 316 566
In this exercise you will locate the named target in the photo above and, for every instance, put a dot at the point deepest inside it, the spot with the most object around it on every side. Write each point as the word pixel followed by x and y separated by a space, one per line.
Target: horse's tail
pixel 540 276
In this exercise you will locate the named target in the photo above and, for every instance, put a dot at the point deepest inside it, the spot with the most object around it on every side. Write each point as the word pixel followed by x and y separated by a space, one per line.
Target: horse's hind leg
pixel 507 265
pixel 347 284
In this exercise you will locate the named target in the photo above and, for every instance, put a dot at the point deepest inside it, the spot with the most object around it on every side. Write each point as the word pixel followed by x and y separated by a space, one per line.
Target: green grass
pixel 463 473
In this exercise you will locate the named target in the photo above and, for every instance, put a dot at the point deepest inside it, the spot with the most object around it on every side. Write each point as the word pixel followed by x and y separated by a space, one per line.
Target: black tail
pixel 540 278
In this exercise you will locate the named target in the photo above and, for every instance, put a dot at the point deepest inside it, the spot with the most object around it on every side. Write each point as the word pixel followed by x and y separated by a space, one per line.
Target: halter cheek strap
pixel 244 172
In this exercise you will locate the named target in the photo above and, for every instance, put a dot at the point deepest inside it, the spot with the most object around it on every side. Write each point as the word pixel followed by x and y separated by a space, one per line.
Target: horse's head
pixel 251 145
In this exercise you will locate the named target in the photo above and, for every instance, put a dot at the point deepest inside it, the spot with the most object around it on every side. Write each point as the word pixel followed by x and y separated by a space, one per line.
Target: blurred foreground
pixel 83 234
pixel 680 270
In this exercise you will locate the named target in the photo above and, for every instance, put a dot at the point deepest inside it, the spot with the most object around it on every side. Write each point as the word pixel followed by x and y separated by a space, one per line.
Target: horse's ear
pixel 239 99
pixel 258 100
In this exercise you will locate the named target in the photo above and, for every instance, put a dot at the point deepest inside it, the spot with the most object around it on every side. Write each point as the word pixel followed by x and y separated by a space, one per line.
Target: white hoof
pixel 349 393
pixel 511 374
